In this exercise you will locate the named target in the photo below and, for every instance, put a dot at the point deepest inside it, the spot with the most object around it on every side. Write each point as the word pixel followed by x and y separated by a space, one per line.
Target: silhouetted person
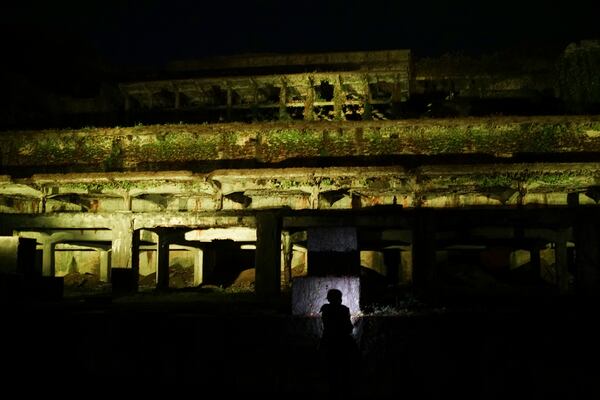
pixel 338 348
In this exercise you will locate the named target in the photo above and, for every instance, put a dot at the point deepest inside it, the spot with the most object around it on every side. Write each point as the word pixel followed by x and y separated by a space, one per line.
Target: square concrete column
pixel 333 251
pixel 423 248
pixel 125 254
pixel 162 262
pixel 17 255
pixel 535 261
pixel 48 262
pixel 286 259
pixel 104 266
pixel 309 100
pixel 198 266
pixel 209 263
pixel 268 254
pixel 338 99
pixel 125 245
pixel 283 99
pixel 391 259
pixel 561 259
pixel 587 256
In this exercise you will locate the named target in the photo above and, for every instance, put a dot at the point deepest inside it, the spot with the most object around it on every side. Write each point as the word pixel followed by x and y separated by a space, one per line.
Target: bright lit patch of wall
pixel 237 234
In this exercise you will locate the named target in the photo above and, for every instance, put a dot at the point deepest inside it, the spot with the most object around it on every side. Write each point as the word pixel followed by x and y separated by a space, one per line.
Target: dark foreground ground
pixel 232 344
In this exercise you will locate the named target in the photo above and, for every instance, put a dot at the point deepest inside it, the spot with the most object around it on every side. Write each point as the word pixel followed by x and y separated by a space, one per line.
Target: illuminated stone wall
pixel 169 147
pixel 310 293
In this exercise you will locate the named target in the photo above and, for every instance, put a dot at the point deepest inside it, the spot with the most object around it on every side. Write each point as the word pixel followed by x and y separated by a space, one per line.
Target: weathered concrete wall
pixel 147 262
pixel 182 258
pixel 159 199
pixel 310 293
pixel 164 146
pixel 81 262
pixel 502 178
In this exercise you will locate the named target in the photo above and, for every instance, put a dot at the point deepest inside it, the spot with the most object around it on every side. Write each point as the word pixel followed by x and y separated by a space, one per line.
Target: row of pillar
pixel 338 99
pixel 424 253
pixel 123 254
pixel 270 243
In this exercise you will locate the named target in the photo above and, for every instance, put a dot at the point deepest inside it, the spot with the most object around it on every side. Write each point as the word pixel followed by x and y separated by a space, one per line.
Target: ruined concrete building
pixel 320 165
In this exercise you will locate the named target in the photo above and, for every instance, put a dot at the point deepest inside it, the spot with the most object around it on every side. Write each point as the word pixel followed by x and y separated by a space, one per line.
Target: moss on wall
pixel 124 148
pixel 279 144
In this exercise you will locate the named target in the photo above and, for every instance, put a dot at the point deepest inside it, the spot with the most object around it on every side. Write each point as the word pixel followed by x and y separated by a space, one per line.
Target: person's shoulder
pixel 325 307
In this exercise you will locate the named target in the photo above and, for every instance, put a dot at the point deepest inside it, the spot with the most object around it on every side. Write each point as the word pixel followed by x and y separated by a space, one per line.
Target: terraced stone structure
pixel 332 86
pixel 424 200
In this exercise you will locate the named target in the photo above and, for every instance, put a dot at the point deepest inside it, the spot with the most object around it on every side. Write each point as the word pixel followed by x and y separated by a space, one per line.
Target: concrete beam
pixel 194 220
pixel 80 235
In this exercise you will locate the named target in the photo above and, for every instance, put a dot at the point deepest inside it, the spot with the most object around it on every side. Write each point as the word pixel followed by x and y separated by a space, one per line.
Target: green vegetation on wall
pixel 176 147
pixel 291 142
pixel 120 149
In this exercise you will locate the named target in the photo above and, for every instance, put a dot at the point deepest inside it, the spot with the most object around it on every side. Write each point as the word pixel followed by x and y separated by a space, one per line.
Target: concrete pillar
pixel 535 261
pixel 17 255
pixel 162 262
pixel 229 102
pixel 391 259
pixel 367 114
pixel 27 257
pixel 122 249
pixel 397 97
pixel 104 266
pixel 287 258
pixel 406 267
pixel 254 106
pixel 177 99
pixel 268 254
pixel 309 101
pixel 587 256
pixel 333 251
pixel 338 100
pixel 125 254
pixel 423 249
pixel 283 94
pixel 209 264
pixel 562 266
pixel 198 266
pixel 48 262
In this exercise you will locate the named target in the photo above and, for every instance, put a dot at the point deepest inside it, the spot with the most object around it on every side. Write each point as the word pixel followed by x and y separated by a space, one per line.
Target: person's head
pixel 334 296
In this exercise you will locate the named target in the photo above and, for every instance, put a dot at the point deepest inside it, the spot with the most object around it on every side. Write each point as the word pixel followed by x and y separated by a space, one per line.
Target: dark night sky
pixel 155 31
pixel 71 46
